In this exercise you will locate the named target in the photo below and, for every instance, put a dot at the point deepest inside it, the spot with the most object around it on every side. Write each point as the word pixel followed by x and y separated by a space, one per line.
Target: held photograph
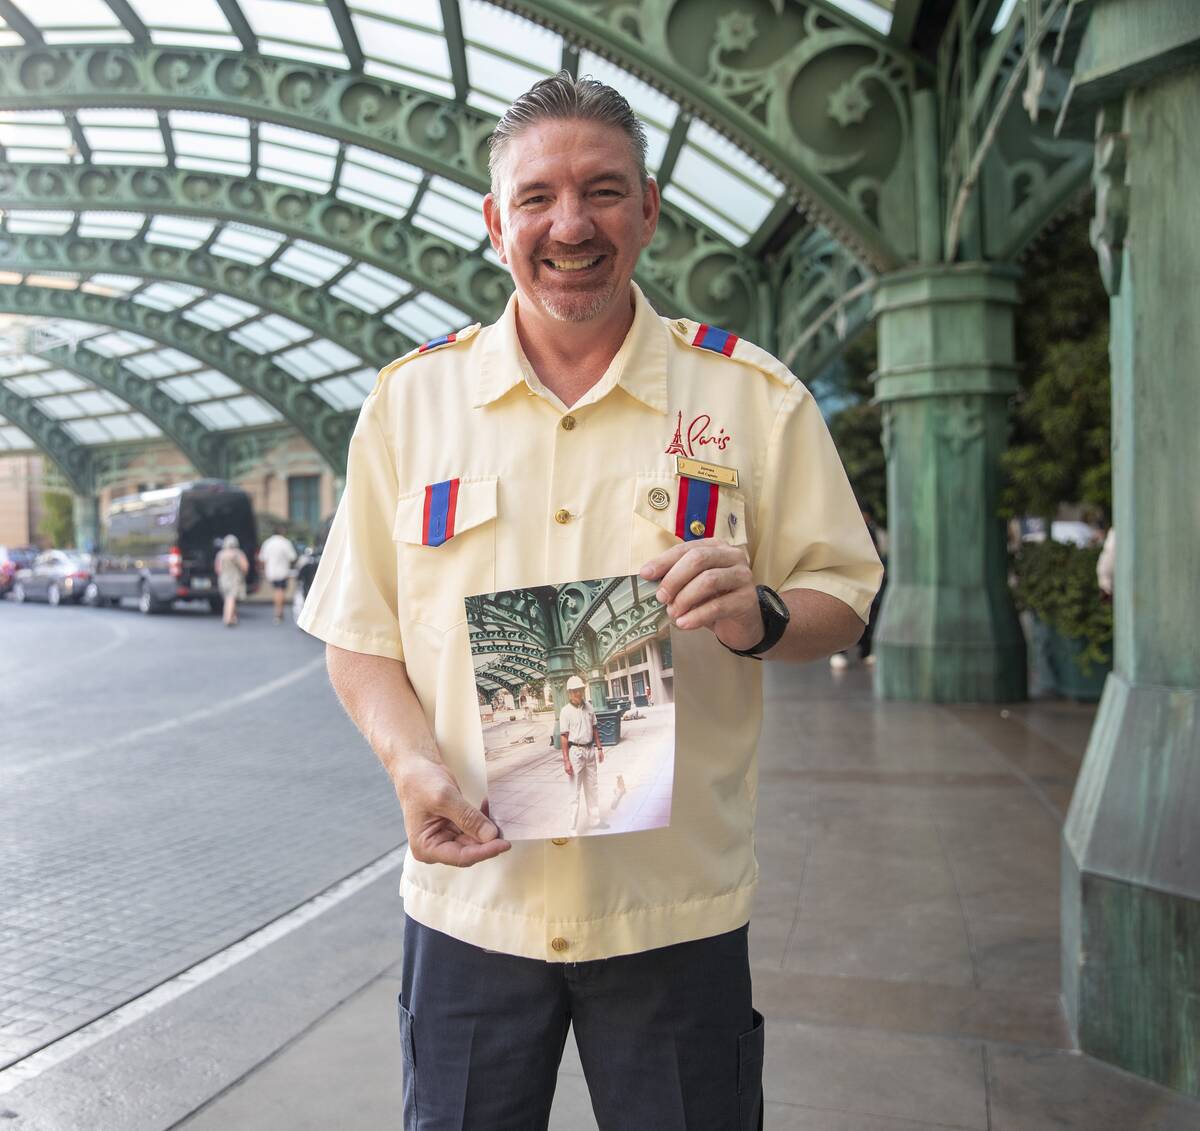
pixel 575 685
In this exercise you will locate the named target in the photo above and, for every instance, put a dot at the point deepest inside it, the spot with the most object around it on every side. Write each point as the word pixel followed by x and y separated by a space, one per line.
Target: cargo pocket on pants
pixel 409 1054
pixel 750 1070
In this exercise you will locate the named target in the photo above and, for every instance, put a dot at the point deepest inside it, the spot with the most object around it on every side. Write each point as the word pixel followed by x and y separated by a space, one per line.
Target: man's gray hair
pixel 562 97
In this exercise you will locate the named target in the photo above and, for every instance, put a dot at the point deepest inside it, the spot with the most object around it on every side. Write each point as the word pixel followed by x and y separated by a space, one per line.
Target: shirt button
pixel 562 516
pixel 567 422
pixel 560 944
pixel 697 527
pixel 559 840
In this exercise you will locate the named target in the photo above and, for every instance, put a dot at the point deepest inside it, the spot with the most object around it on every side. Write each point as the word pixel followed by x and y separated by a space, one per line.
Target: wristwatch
pixel 775 617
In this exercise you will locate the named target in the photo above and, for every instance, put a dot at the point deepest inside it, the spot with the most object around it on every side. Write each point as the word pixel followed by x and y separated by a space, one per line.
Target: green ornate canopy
pixel 245 207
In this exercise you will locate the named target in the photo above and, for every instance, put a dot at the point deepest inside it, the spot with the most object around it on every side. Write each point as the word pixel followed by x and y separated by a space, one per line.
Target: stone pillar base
pixel 946 645
pixel 1131 886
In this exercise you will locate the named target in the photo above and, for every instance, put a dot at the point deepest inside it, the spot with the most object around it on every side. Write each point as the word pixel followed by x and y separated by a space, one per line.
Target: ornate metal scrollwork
pixel 202 446
pixel 818 99
pixel 446 138
pixel 825 297
pixel 465 280
pixel 51 438
pixel 316 308
pixel 327 429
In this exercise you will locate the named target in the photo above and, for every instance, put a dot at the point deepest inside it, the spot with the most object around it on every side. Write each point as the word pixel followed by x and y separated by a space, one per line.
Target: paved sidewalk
pixel 905 952
pixel 905 942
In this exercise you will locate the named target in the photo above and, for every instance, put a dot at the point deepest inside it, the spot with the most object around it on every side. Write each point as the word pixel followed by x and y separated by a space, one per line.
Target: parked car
pixel 306 568
pixel 159 546
pixel 55 576
pixel 13 558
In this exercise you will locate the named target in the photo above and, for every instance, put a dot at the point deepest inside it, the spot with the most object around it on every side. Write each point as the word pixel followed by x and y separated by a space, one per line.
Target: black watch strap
pixel 775 618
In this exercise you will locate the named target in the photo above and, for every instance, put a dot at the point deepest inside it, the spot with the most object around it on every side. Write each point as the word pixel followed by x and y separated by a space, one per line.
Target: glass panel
pixel 216 148
pixel 297 139
pixel 208 123
pixel 486 25
pixel 426 317
pixel 370 289
pixel 168 296
pixel 263 336
pixel 118 344
pixel 304 500
pixel 308 23
pixel 87 431
pixel 310 263
pixel 406 47
pixel 870 12
pixel 75 14
pixel 250 245
pixel 199 15
pixel 426 12
pixel 128 119
pixel 48 222
pixel 196 39
pixel 110 225
pixel 250 410
pixel 179 231
pixel 112 157
pixel 220 311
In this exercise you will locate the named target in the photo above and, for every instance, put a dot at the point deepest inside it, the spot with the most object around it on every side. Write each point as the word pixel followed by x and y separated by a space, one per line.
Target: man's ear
pixel 491 217
pixel 651 207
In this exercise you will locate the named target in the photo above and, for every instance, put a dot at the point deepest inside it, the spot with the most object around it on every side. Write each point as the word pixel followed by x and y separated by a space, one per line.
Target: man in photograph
pixel 582 752
pixel 539 450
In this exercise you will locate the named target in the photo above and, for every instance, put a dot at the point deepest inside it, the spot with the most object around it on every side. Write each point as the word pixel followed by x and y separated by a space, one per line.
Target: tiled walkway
pixel 905 941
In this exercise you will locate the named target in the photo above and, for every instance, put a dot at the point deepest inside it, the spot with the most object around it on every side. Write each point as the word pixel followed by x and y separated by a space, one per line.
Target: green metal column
pixel 948 631
pixel 1131 851
pixel 86 513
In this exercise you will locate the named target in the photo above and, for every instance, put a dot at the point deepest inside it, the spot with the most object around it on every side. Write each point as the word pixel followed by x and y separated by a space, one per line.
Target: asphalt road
pixel 167 786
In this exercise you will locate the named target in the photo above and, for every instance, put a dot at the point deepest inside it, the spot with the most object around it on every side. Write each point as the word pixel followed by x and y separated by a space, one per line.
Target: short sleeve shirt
pixel 577 722
pixel 277 554
pixel 544 495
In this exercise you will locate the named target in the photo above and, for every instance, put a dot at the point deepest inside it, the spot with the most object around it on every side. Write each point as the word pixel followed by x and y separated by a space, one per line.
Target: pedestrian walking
pixel 582 753
pixel 277 555
pixel 232 567
pixel 581 396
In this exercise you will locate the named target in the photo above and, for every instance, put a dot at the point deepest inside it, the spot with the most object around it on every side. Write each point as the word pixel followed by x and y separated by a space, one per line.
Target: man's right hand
pixel 568 767
pixel 443 826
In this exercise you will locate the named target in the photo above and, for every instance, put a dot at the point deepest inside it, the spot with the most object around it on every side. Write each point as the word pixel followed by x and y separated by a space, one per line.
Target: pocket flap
pixel 657 501
pixel 434 514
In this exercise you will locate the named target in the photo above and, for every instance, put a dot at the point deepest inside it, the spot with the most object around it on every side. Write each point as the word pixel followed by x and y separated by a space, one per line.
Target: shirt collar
pixel 639 367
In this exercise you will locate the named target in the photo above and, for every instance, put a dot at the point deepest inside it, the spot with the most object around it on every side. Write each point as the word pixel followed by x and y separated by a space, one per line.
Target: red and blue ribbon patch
pixel 719 341
pixel 697 503
pixel 437 522
pixel 433 343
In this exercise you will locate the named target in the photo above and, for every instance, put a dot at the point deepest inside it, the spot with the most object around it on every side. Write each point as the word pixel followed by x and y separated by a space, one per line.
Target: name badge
pixel 709 472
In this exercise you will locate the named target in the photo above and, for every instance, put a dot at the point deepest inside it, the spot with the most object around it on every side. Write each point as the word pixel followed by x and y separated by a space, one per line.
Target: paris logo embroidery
pixel 697 438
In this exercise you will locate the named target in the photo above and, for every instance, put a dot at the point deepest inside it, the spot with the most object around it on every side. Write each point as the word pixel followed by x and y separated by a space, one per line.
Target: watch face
pixel 776 603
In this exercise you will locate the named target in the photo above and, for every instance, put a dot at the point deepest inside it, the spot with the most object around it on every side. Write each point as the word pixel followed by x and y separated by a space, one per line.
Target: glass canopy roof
pixel 499 55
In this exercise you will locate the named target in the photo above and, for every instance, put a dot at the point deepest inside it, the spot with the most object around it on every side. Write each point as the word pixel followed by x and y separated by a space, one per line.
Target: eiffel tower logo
pixel 676 448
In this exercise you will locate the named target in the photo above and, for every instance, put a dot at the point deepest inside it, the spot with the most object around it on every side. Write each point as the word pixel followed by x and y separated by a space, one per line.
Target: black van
pixel 159 546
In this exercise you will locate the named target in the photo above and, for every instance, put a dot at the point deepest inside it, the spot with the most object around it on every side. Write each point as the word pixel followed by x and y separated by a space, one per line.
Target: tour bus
pixel 159 546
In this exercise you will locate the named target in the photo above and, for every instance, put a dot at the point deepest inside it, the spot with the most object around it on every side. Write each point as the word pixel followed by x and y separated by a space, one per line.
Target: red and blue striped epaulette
pixel 431 346
pixel 712 338
pixel 437 343
pixel 702 336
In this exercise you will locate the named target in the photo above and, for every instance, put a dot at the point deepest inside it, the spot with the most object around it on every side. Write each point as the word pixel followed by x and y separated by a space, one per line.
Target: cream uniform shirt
pixel 547 495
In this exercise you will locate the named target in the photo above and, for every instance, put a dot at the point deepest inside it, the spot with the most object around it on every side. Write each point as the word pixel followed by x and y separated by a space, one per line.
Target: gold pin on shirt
pixel 659 498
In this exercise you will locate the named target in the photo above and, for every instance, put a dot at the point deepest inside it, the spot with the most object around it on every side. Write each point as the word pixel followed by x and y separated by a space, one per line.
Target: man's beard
pixel 568 305
pixel 582 306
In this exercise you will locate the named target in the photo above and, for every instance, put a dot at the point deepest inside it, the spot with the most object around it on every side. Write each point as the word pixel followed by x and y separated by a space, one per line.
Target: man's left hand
pixel 708 584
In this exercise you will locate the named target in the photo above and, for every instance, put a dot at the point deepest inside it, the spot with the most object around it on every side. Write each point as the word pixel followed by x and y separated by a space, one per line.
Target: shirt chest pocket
pixel 445 535
pixel 661 518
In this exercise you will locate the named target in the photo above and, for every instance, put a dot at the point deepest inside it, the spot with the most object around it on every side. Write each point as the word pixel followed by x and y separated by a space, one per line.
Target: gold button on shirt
pixel 473 411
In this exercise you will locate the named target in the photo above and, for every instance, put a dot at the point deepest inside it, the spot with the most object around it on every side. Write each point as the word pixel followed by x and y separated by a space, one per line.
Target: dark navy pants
pixel 668 1038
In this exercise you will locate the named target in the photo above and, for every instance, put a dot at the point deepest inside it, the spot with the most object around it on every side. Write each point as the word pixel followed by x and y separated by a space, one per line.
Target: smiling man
pixel 564 443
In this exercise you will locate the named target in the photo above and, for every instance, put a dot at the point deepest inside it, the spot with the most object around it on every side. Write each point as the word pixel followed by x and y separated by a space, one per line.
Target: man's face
pixel 572 218
pixel 576 696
